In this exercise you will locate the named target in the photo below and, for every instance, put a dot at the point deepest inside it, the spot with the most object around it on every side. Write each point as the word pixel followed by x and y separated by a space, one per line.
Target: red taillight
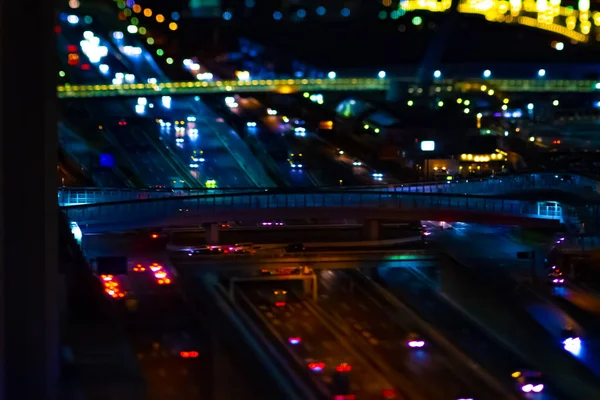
pixel 389 394
pixel 344 397
pixel 154 236
pixel 85 67
pixel 188 354
pixel 193 354
pixel 280 304
pixel 316 366
pixel 72 48
pixel 57 29
pixel 343 367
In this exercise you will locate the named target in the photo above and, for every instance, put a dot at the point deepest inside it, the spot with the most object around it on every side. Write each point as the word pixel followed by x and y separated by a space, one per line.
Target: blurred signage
pixel 427 145
pixel 107 160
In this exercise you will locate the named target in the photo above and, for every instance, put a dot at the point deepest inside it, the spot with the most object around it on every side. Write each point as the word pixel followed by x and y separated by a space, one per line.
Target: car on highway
pixel 340 382
pixel 414 341
pixel 242 247
pixel 206 251
pixel 277 298
pixel 180 344
pixel 529 382
pixel 272 223
pixel 571 341
pixel 296 161
pixel 300 131
pixel 556 276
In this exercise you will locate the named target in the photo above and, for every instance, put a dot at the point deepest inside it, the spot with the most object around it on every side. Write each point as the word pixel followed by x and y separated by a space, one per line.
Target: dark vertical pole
pixel 533 267
pixel 28 256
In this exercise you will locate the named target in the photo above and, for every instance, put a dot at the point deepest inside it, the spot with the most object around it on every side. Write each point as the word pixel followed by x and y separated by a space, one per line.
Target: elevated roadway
pixel 317 260
pixel 352 84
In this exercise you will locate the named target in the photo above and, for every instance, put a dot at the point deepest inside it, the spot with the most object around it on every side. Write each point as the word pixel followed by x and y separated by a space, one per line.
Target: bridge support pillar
pixel 371 229
pixel 29 283
pixel 212 233
pixel 311 287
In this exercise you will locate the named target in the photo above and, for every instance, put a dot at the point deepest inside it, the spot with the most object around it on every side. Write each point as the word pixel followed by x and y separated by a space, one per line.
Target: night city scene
pixel 301 200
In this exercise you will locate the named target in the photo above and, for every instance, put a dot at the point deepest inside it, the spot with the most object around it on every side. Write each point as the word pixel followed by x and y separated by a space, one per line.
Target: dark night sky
pixel 367 41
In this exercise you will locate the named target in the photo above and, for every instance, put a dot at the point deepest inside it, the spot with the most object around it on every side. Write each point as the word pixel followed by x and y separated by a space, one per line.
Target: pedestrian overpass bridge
pixel 370 207
pixel 352 84
pixel 482 186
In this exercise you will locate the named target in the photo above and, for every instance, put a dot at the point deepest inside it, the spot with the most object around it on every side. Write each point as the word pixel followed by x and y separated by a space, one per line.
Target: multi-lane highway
pixel 355 309
pixel 318 349
pixel 422 296
pixel 292 136
pixel 134 126
pixel 547 304
pixel 353 324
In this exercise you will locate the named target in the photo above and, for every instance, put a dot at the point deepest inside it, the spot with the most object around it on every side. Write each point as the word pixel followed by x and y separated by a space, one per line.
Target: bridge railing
pixel 481 186
pixel 216 208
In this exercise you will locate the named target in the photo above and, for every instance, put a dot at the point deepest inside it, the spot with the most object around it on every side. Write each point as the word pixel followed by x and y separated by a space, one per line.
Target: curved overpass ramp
pixel 366 206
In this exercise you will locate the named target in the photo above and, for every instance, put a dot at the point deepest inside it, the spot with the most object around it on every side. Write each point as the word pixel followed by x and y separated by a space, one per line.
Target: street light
pixel 381 74
pixel 487 73
pixel 437 74
pixel 542 73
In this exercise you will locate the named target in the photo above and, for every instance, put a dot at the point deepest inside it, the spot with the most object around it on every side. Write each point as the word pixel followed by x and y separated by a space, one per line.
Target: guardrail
pixel 286 378
pixel 316 259
pixel 206 209
pixel 498 185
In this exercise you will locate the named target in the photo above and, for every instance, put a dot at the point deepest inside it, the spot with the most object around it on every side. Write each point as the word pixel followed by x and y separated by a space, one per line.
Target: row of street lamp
pixel 437 74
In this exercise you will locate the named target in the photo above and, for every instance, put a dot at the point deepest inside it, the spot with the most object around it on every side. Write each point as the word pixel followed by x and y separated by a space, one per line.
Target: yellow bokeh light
pixel 147 12
pixel 160 18
pixel 137 8
pixel 173 26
